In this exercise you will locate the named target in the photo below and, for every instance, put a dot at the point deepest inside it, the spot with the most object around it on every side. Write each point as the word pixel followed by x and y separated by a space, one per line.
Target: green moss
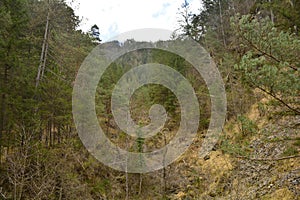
pixel 297 143
pixel 290 151
pixel 101 186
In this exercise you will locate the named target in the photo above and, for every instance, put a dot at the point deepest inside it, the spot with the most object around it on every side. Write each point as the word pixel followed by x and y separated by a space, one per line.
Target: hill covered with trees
pixel 256 47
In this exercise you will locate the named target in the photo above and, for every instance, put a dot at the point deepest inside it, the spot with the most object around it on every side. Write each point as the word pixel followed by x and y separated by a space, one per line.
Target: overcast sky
pixel 117 16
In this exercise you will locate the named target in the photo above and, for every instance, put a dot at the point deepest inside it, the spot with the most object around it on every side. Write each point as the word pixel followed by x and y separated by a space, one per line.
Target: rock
pixel 212 194
pixel 207 157
pixel 270 186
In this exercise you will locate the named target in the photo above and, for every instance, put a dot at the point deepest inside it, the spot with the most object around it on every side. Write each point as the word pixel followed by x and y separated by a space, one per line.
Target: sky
pixel 114 17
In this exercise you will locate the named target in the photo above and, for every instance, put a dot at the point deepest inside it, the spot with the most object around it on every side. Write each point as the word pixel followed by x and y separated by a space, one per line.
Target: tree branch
pixel 265 53
pixel 278 99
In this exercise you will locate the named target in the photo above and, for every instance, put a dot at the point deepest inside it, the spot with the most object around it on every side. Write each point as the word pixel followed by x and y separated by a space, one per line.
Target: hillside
pixel 85 119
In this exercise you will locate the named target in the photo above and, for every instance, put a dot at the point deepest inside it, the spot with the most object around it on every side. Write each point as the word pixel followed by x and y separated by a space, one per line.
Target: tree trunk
pixel 126 175
pixel 141 183
pixel 271 13
pixel 43 57
pixel 222 25
pixel 3 109
pixel 164 169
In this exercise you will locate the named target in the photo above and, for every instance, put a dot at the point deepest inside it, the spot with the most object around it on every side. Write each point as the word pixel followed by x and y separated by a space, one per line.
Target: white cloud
pixel 118 16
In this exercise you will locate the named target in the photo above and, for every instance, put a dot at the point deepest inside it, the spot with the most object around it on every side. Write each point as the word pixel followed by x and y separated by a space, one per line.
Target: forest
pixel 255 45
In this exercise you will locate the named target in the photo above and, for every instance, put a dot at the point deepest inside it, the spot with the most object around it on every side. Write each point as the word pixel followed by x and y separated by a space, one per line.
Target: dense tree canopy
pixel 255 45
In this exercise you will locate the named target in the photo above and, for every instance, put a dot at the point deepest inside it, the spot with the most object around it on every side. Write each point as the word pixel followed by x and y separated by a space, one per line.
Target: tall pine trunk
pixel 3 108
pixel 44 52
pixel 222 24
